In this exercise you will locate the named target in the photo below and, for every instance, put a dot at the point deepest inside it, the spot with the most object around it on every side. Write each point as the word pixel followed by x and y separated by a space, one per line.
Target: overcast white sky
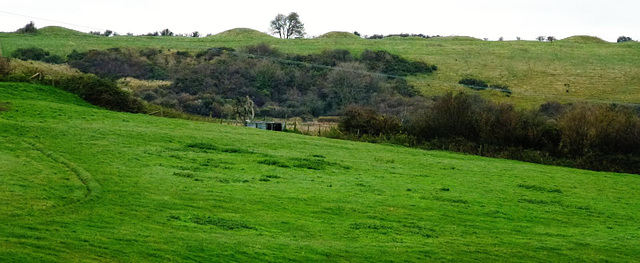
pixel 482 19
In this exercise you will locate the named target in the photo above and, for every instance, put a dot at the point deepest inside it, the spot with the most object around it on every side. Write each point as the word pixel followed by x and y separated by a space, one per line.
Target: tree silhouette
pixel 624 39
pixel 28 29
pixel 287 26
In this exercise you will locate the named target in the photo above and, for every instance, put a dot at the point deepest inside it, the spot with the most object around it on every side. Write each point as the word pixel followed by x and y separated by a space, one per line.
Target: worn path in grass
pixel 175 190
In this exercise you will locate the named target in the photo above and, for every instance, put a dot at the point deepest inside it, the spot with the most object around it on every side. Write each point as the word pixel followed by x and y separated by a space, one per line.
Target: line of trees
pixel 588 136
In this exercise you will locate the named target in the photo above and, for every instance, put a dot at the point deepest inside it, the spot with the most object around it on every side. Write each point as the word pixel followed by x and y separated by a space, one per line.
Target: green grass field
pixel 78 183
pixel 536 72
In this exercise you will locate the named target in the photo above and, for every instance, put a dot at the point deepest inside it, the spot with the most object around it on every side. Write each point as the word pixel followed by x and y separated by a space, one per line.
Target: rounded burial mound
pixel 341 35
pixel 585 40
pixel 59 31
pixel 242 33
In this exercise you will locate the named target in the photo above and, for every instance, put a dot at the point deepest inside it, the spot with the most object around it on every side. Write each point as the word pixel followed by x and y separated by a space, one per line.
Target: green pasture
pixel 79 183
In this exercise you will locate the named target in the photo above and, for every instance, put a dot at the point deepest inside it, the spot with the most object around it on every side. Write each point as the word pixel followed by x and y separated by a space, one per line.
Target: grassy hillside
pixel 78 183
pixel 574 69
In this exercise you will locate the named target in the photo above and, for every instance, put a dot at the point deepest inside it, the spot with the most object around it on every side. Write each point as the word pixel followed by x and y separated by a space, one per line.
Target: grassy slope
pixel 535 71
pixel 80 183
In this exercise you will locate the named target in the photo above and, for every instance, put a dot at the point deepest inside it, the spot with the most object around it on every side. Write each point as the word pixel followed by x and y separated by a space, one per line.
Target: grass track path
pixel 93 188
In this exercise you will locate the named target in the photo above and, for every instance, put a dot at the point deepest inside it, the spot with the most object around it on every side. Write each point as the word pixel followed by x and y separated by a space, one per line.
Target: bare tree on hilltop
pixel 287 26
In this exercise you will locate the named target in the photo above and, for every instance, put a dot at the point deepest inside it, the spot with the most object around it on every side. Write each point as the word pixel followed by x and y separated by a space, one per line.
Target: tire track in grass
pixel 92 187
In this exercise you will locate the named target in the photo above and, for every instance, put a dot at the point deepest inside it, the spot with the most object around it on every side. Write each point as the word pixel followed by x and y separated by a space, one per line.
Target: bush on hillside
pixel 588 136
pixel 334 56
pixel 473 82
pixel 402 87
pixel 606 129
pixel 100 92
pixel 113 64
pixel 262 49
pixel 53 59
pixel 448 116
pixel 213 52
pixel 5 66
pixel 552 109
pixel 329 58
pixel 279 87
pixel 387 63
pixel 97 91
pixel 364 121
pixel 32 53
pixel 477 84
pixel 166 33
pixel 28 29
pixel 350 83
pixel 37 54
pixel 623 39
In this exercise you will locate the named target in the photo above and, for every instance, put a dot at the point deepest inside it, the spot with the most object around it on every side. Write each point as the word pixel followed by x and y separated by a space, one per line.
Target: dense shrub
pixel 32 53
pixel 100 92
pixel 5 66
pixel 37 54
pixel 263 50
pixel 28 29
pixel 387 63
pixel 477 120
pixel 212 53
pixel 329 58
pixel 447 117
pixel 53 59
pixel 147 52
pixel 588 136
pixel 350 84
pixel 623 39
pixel 113 64
pixel 166 33
pixel 473 83
pixel 600 128
pixel 334 57
pixel 364 121
pixel 402 87
pixel 552 109
pixel 477 84
pixel 323 84
pixel 281 85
